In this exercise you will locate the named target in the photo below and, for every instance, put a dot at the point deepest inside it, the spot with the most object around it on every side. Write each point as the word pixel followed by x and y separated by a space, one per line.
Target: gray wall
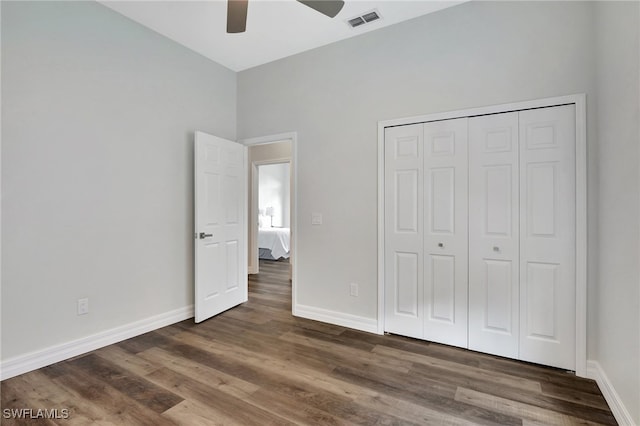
pixel 98 116
pixel 618 295
pixel 475 54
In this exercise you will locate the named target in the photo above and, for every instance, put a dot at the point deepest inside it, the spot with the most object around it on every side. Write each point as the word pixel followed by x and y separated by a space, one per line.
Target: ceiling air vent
pixel 365 18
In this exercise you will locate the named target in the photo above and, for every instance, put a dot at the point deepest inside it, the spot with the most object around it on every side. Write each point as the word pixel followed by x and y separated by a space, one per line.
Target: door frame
pixel 293 164
pixel 579 100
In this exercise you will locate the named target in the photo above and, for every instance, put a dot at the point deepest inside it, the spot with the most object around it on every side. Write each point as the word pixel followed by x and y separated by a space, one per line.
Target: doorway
pixel 264 153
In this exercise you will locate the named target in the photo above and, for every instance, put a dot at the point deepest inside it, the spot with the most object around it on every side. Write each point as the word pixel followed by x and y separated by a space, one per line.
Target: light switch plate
pixel 83 306
pixel 316 218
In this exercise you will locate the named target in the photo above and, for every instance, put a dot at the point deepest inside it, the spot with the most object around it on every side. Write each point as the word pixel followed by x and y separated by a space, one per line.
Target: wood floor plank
pixel 256 364
pixel 304 375
pixel 411 412
pixel 574 395
pixel 348 354
pixel 292 353
pixel 103 402
pixel 194 413
pixel 467 371
pixel 229 406
pixel 299 413
pixel 434 396
pixel 209 376
pixel 529 413
pixel 144 342
pixel 126 360
pixel 135 387
pixel 501 390
pixel 35 391
pixel 298 390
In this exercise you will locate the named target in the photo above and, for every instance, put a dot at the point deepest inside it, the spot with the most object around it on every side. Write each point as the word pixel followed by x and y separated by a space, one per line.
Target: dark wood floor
pixel 256 364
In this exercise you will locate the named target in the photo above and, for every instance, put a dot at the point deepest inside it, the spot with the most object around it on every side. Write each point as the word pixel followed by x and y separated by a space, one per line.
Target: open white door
pixel 220 225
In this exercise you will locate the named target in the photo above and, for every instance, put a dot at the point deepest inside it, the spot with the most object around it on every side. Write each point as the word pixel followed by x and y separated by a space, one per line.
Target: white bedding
pixel 276 240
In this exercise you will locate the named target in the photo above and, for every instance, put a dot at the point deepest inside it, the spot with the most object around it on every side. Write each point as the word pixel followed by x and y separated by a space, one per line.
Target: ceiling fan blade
pixel 237 16
pixel 327 7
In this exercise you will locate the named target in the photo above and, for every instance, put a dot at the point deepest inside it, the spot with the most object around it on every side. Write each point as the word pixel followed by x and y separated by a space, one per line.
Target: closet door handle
pixel 203 235
pixel 441 245
pixel 496 249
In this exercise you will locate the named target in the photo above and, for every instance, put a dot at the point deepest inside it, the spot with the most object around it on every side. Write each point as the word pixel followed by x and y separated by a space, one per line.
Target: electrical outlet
pixel 83 306
pixel 353 289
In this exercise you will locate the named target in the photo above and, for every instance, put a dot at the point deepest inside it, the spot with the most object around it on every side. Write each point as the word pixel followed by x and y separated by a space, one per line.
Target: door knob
pixel 441 245
pixel 203 235
pixel 496 248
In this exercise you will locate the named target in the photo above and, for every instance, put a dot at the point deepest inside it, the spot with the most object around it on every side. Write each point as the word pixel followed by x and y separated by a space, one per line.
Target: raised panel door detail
pixel 494 309
pixel 406 203
pixel 407 147
pixel 232 258
pixel 212 200
pixel 498 279
pixel 548 236
pixel 443 144
pixel 498 205
pixel 212 154
pixel 443 294
pixel 443 200
pixel 214 258
pixel 541 300
pixel 445 231
pixel 232 157
pixel 407 284
pixel 232 200
pixel 404 209
pixel 541 135
pixel 498 140
pixel 541 202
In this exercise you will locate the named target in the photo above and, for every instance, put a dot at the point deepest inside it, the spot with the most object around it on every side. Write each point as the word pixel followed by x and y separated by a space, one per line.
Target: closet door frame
pixel 579 100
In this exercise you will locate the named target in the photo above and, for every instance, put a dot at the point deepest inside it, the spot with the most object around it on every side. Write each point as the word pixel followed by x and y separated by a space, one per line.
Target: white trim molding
pixel 620 412
pixel 32 361
pixel 579 100
pixel 370 325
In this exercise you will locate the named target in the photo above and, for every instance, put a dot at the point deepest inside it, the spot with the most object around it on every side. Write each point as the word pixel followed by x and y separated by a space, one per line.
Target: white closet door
pixel 445 232
pixel 493 234
pixel 547 236
pixel 404 313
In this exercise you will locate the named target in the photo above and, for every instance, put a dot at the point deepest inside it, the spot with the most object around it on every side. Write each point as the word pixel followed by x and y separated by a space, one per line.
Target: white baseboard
pixel 41 358
pixel 595 372
pixel 337 318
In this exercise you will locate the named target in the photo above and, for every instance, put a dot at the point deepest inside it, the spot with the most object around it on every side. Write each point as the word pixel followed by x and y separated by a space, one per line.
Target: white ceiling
pixel 275 28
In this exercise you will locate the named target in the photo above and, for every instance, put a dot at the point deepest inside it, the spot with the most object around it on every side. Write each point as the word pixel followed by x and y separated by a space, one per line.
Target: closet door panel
pixel 498 298
pixel 547 228
pixel 446 232
pixel 494 234
pixel 404 230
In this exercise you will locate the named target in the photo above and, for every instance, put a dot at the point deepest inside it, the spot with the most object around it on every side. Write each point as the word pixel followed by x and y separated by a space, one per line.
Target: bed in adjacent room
pixel 273 243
